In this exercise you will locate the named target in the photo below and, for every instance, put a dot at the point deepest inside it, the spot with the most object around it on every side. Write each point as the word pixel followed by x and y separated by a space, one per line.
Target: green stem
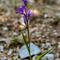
pixel 28 38
pixel 28 35
pixel 26 45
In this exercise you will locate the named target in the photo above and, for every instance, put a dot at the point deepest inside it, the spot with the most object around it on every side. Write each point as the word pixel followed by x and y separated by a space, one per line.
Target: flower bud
pixel 35 12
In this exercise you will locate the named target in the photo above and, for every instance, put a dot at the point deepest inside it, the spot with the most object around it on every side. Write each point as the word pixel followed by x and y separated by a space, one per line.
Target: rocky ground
pixel 44 29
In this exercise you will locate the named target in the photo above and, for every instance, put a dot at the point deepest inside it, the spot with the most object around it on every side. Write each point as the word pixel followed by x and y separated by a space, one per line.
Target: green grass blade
pixel 42 55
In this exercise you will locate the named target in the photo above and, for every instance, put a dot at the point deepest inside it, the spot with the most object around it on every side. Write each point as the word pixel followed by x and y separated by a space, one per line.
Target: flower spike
pixel 25 1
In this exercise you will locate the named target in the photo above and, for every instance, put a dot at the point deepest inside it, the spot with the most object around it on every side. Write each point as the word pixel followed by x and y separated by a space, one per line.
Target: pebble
pixel 45 15
pixel 59 46
pixel 58 2
pixel 5 28
pixel 42 45
pixel 3 57
pixel 10 51
pixel 48 44
pixel 15 33
pixel 57 55
pixel 31 2
pixel 1 48
pixel 48 56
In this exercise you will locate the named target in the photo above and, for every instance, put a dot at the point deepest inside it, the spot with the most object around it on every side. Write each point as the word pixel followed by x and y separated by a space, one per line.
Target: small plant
pixel 25 12
pixel 14 42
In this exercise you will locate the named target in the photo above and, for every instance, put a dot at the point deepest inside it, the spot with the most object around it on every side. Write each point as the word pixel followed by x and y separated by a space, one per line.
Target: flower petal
pixel 29 13
pixel 21 9
pixel 25 19
pixel 25 1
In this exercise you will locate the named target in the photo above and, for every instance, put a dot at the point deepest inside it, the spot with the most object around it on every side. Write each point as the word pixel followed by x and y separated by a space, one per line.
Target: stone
pixel 10 51
pixel 48 56
pixel 3 57
pixel 59 46
pixel 33 57
pixel 1 48
pixel 31 2
pixel 45 15
pixel 5 28
pixel 58 2
pixel 57 14
pixel 15 33
pixel 23 52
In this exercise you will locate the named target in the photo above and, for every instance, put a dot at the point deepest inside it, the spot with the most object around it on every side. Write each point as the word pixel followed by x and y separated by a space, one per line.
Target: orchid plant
pixel 25 12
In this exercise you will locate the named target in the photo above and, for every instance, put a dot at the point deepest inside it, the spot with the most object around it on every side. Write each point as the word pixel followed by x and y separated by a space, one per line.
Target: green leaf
pixel 42 55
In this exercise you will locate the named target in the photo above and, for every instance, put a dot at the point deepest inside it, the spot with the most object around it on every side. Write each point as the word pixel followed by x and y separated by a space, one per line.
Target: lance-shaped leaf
pixel 39 57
